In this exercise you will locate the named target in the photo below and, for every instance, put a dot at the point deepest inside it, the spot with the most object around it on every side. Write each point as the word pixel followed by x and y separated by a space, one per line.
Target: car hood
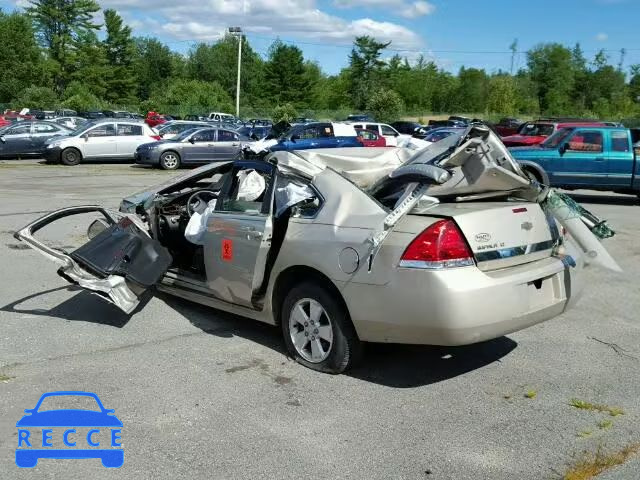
pixel 69 418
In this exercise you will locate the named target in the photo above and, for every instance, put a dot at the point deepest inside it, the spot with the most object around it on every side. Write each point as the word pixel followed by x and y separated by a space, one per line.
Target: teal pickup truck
pixel 589 157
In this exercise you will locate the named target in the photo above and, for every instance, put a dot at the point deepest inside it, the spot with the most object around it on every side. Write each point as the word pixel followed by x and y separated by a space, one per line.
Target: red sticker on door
pixel 227 250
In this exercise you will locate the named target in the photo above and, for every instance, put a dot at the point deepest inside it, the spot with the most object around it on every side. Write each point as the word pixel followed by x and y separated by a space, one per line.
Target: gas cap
pixel 349 260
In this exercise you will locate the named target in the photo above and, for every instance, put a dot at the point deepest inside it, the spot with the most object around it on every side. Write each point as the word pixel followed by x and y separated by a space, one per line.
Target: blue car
pixel 100 420
pixel 317 135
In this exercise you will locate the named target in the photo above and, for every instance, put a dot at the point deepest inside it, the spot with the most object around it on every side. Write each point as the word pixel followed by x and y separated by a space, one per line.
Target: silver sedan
pixel 451 245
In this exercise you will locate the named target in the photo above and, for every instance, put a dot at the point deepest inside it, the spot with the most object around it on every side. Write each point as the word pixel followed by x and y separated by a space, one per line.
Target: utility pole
pixel 514 50
pixel 237 32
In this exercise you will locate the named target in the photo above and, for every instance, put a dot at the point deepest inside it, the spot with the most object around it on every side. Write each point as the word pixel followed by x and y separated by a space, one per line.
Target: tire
pixel 532 174
pixel 70 157
pixel 169 160
pixel 331 345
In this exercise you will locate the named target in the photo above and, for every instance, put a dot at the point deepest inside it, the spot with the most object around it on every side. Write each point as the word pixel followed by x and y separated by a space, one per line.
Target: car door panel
pixel 129 137
pixel 583 162
pixel 17 140
pixel 100 142
pixel 620 159
pixel 236 246
pixel 119 263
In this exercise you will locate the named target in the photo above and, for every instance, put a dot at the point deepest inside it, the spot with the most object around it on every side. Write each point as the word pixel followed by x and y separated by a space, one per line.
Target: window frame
pixel 132 126
pixel 101 125
pixel 581 133
pixel 267 203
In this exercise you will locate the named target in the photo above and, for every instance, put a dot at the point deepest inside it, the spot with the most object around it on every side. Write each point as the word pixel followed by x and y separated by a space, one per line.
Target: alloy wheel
pixel 170 160
pixel 310 330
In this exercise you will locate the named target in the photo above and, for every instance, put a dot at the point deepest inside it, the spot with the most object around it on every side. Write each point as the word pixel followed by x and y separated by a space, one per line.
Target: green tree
pixel 20 56
pixel 502 95
pixel 120 51
pixel 551 69
pixel 285 112
pixel 473 87
pixel 287 77
pixel 90 66
pixel 364 67
pixel 58 23
pixel 154 64
pixel 182 97
pixel 81 99
pixel 385 105
pixel 37 97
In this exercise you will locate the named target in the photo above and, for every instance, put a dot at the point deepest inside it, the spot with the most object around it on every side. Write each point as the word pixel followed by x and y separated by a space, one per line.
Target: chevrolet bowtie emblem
pixel 526 226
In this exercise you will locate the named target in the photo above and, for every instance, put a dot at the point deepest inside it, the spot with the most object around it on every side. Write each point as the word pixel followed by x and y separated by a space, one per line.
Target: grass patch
pixel 605 424
pixel 594 407
pixel 5 378
pixel 531 394
pixel 592 464
pixel 585 434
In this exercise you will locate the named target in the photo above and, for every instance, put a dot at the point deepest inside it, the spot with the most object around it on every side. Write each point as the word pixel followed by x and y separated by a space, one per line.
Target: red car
pixel 369 138
pixel 154 119
pixel 534 133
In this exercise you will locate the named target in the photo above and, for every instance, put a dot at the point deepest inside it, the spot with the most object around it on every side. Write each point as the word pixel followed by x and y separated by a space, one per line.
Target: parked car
pixel 195 118
pixel 256 132
pixel 369 138
pixel 534 133
pixel 66 112
pixel 153 119
pixel 507 126
pixel 91 115
pixel 116 114
pixel 463 120
pixel 389 133
pixel 192 147
pixel 100 140
pixel 405 127
pixel 597 158
pixel 436 134
pixel 258 122
pixel 317 135
pixel 336 256
pixel 70 122
pixel 28 137
pixel 173 128
pixel 359 117
pixel 302 120
pixel 222 117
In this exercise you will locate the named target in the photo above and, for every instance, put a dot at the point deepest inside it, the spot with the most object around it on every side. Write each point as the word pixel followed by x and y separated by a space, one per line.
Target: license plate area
pixel 541 292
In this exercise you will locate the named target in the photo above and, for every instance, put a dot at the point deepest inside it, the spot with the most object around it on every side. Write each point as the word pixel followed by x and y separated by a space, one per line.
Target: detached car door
pixel 119 262
pixel 239 231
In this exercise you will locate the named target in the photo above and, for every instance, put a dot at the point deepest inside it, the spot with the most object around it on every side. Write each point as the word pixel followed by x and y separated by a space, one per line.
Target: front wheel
pixel 70 156
pixel 169 160
pixel 317 330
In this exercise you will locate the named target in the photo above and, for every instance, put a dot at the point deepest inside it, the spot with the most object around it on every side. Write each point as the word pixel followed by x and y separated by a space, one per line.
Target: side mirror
pixel 97 227
pixel 85 137
pixel 294 138
pixel 2 139
pixel 192 140
pixel 563 148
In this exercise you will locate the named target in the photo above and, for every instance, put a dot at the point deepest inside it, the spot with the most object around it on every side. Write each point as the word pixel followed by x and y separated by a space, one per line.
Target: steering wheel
pixel 197 199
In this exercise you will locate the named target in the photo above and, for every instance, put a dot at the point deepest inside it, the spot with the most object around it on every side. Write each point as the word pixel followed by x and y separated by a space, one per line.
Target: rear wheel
pixel 169 160
pixel 70 156
pixel 317 330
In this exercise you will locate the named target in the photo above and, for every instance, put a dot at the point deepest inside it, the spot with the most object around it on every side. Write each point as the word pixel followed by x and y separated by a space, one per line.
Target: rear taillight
pixel 442 245
pixel 156 137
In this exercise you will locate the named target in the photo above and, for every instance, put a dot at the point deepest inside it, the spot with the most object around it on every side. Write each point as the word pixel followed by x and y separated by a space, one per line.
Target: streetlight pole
pixel 237 32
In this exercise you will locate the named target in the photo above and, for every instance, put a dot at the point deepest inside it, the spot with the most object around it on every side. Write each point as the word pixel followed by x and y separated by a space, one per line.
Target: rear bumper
pixel 462 306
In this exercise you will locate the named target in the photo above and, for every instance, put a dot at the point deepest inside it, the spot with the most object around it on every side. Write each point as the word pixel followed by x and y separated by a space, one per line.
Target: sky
pixel 453 33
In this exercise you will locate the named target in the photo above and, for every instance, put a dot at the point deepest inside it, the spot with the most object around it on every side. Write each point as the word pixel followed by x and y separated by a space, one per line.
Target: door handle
pixel 251 232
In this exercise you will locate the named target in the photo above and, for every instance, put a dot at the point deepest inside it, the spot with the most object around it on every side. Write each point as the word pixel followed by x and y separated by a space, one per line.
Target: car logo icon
pixel 483 237
pixel 69 433
pixel 526 226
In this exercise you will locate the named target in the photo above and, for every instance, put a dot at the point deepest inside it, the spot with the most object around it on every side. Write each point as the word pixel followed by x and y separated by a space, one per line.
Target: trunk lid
pixel 501 234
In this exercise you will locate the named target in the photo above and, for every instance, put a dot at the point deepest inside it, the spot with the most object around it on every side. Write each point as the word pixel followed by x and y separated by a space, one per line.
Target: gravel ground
pixel 204 394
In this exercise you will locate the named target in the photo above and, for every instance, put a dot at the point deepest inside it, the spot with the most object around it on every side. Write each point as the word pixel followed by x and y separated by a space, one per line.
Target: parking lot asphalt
pixel 203 394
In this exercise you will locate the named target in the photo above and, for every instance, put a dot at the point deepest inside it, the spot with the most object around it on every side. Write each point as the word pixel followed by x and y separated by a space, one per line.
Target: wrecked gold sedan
pixel 450 245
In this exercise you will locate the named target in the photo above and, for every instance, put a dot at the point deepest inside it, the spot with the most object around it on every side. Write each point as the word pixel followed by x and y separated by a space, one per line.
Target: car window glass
pixel 247 192
pixel 44 128
pixel 129 130
pixel 226 136
pixel 326 130
pixel 18 130
pixel 386 130
pixel 619 141
pixel 103 130
pixel 586 141
pixel 308 132
pixel 69 402
pixel 205 136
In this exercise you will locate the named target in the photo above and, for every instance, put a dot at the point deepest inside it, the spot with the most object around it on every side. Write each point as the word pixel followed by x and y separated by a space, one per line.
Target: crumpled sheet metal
pixel 362 166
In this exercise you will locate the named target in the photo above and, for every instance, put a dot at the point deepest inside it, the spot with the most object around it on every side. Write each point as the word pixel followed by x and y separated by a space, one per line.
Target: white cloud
pixel 207 20
pixel 392 7
pixel 417 9
pixel 602 37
